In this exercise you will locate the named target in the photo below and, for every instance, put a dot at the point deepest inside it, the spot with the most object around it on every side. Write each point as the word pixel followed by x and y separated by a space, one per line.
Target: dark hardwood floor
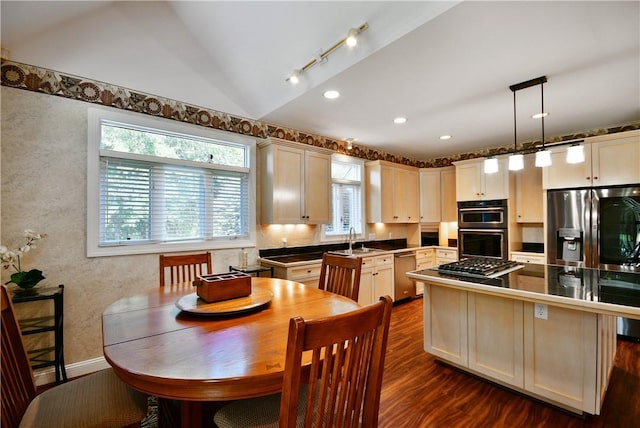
pixel 418 391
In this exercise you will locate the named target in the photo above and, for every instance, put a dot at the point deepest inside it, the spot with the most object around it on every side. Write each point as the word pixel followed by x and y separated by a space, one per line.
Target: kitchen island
pixel 543 330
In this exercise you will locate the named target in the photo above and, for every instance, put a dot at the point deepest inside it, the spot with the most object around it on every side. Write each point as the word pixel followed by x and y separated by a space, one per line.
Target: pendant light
pixel 575 153
pixel 543 157
pixel 516 160
pixel 491 165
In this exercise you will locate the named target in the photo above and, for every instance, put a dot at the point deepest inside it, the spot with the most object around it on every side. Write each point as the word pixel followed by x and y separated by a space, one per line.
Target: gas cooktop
pixel 479 267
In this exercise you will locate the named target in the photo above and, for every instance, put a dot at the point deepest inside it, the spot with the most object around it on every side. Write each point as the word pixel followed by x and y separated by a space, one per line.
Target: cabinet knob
pixel 595 178
pixel 588 178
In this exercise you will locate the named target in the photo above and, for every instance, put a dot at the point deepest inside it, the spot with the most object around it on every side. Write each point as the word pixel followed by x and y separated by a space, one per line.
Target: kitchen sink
pixel 355 251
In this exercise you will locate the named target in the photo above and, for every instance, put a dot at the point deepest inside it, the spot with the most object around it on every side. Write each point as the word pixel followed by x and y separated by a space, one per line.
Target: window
pixel 157 186
pixel 347 196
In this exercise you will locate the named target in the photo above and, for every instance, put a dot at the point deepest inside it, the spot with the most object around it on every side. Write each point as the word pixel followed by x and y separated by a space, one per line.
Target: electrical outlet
pixel 372 236
pixel 540 311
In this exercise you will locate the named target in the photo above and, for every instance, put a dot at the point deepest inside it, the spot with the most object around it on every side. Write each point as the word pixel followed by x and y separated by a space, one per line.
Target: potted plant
pixel 12 259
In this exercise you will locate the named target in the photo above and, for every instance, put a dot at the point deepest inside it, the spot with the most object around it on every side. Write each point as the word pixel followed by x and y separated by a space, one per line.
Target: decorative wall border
pixel 38 79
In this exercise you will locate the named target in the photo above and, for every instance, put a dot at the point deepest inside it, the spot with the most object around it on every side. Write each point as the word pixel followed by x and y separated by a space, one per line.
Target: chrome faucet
pixel 352 238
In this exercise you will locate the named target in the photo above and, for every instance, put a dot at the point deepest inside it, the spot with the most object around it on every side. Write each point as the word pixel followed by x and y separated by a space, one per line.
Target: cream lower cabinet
pixel 425 259
pixel 495 338
pixel 376 279
pixel 568 356
pixel 524 257
pixel 564 356
pixel 446 255
pixel 308 274
pixel 445 324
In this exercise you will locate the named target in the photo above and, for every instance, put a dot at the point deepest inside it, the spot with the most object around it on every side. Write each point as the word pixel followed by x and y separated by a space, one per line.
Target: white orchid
pixel 11 258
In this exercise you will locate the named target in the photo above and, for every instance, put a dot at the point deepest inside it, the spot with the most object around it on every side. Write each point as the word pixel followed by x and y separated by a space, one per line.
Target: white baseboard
pixel 47 376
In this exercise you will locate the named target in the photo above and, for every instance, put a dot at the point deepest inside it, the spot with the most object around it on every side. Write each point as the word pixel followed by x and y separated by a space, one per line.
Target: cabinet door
pixel 387 202
pixel 495 338
pixel 412 197
pixel 496 185
pixel 448 195
pixel 383 282
pixel 288 185
pixel 317 195
pixel 616 161
pixel 445 323
pixel 529 195
pixel 365 294
pixel 468 182
pixel 430 196
pixel 568 374
pixel 562 175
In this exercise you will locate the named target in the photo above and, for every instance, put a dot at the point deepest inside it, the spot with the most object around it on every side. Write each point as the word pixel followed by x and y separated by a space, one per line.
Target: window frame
pixel 95 118
pixel 345 236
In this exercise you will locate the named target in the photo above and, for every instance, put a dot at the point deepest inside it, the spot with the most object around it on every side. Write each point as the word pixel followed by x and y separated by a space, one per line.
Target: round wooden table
pixel 158 349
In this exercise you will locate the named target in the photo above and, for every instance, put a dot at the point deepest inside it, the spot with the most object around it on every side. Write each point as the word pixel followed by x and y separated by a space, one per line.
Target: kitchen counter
pixel 593 290
pixel 546 331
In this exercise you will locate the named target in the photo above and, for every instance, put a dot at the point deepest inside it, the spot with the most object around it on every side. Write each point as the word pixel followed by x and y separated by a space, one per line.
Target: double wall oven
pixel 483 229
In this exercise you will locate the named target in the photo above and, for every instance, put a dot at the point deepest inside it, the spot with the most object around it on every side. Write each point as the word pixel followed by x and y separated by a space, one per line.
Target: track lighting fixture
pixel 351 40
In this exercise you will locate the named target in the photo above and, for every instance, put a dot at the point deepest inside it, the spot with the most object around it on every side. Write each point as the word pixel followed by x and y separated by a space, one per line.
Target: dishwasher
pixel 403 286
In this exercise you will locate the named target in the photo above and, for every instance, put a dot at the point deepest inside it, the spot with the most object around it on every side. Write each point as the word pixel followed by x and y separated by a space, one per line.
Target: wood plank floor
pixel 418 391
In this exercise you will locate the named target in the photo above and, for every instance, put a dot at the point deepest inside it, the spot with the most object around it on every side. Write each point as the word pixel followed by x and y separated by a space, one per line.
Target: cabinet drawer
pixel 383 260
pixel 304 272
pixel 450 255
pixel 528 258
pixel 425 254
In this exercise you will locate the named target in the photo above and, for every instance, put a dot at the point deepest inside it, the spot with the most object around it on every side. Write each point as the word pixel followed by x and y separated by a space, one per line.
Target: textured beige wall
pixel 43 187
pixel 44 168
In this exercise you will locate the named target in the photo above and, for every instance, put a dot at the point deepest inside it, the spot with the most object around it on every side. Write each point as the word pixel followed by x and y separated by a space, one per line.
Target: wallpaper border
pixel 50 82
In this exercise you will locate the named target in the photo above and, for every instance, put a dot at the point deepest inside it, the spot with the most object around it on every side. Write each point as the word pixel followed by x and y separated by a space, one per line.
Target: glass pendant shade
pixel 490 165
pixel 543 158
pixel 516 162
pixel 575 154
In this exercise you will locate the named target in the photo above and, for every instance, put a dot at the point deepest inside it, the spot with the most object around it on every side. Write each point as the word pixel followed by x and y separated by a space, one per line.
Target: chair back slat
pixel 345 375
pixel 18 386
pixel 341 275
pixel 184 268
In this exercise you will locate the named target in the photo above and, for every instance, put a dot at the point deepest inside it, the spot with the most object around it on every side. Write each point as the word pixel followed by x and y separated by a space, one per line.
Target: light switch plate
pixel 541 311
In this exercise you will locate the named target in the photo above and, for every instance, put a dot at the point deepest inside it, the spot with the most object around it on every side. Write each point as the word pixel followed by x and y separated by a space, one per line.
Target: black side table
pixel 252 269
pixel 41 358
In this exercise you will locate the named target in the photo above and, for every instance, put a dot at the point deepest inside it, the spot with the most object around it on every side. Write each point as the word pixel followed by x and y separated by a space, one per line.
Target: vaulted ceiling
pixel 445 66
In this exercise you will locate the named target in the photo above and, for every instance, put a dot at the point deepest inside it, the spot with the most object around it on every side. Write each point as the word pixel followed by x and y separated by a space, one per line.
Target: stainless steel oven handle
pixel 493 230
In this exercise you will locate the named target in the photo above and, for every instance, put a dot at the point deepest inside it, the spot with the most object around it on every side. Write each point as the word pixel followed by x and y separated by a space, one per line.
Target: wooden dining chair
pixel 184 267
pixel 347 361
pixel 96 400
pixel 341 275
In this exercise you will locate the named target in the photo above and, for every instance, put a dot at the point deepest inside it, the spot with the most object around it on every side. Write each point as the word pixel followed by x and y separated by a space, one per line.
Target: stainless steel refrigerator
pixel 597 228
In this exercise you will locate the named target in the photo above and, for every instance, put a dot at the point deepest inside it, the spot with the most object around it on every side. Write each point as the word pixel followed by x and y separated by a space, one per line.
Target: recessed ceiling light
pixel 445 137
pixel 399 120
pixel 331 95
pixel 539 115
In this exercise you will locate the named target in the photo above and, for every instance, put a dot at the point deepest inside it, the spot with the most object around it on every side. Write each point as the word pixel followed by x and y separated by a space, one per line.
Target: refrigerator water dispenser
pixel 570 244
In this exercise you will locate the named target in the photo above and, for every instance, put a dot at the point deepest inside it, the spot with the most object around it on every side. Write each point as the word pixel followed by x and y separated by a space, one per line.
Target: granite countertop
pixel 293 256
pixel 593 290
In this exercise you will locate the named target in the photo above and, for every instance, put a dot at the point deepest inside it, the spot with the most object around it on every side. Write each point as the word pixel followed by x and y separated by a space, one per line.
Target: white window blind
pixel 175 190
pixel 347 198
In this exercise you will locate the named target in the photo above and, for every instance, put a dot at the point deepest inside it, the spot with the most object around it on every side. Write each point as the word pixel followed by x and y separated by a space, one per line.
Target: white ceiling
pixel 446 66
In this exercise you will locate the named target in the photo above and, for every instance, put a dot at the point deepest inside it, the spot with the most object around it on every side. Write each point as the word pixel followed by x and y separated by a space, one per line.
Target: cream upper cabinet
pixel 528 193
pixel 392 193
pixel 448 194
pixel 472 184
pixel 609 160
pixel 437 195
pixel 430 195
pixel 295 185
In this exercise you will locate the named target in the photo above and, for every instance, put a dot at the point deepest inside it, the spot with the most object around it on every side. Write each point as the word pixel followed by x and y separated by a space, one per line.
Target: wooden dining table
pixel 175 354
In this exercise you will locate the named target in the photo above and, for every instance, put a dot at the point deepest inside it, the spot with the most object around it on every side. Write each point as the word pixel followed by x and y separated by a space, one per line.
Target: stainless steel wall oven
pixel 482 229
